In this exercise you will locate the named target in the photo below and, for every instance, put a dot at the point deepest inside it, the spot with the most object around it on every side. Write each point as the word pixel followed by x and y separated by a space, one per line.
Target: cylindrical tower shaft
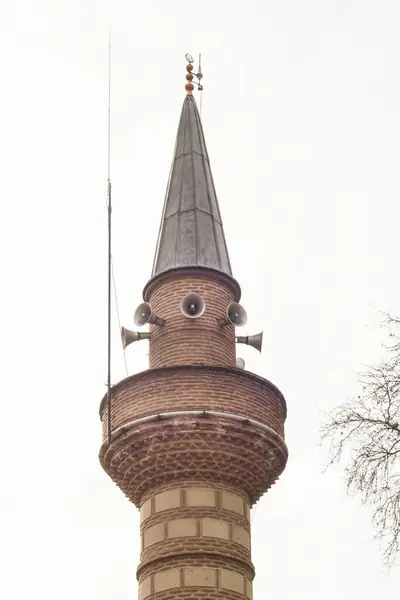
pixel 195 537
pixel 183 341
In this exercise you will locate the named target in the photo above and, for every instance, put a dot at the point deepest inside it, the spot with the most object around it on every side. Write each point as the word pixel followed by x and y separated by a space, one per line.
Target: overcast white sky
pixel 301 117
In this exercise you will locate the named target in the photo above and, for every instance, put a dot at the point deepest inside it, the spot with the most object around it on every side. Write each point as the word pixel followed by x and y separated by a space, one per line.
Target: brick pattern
pixel 193 580
pixel 198 513
pixel 171 525
pixel 195 560
pixel 183 341
pixel 175 503
pixel 211 551
pixel 209 450
pixel 184 546
pixel 158 492
pixel 194 499
pixel 191 388
pixel 198 594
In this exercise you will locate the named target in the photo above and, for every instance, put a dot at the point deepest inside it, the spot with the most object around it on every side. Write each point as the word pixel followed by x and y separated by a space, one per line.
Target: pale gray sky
pixel 301 117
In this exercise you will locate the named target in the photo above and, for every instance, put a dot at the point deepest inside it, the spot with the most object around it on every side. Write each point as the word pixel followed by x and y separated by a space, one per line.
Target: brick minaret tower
pixel 195 440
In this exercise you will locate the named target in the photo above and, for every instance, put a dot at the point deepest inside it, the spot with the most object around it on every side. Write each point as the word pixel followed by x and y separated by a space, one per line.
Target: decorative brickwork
pixel 211 560
pixel 194 441
pixel 196 501
pixel 212 450
pixel 190 520
pixel 196 513
pixel 195 478
pixel 200 594
pixel 214 583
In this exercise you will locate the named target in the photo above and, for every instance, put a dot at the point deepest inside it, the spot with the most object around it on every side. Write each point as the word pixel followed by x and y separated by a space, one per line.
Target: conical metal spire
pixel 191 233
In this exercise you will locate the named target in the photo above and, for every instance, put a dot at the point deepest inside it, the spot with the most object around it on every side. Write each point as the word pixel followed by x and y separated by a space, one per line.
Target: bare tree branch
pixel 369 427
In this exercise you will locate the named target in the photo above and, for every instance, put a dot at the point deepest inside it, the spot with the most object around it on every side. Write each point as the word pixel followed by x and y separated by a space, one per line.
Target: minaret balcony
pixel 203 423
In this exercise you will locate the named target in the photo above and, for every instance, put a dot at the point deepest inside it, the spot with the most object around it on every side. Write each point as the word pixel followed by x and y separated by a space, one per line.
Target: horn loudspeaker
pixel 252 340
pixel 235 315
pixel 193 306
pixel 128 336
pixel 143 315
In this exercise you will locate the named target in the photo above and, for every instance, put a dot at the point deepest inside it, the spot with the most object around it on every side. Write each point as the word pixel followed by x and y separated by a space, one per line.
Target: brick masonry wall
pixel 209 561
pixel 195 538
pixel 193 582
pixel 183 341
pixel 195 519
pixel 190 593
pixel 191 388
pixel 207 449
pixel 172 498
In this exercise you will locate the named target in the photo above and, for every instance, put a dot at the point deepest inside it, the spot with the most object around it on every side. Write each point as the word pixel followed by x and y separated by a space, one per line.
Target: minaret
pixel 195 441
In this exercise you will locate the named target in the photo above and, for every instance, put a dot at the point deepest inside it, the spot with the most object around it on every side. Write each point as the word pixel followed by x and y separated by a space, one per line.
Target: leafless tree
pixel 365 432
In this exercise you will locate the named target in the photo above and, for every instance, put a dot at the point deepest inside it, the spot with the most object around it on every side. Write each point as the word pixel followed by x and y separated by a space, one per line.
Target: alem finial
pixel 189 87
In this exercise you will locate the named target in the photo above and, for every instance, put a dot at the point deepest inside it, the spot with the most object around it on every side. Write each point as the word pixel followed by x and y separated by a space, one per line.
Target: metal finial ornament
pixel 189 87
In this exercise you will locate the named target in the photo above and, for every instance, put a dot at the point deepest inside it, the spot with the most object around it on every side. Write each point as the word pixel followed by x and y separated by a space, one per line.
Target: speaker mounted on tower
pixel 252 340
pixel 128 336
pixel 143 315
pixel 192 306
pixel 235 315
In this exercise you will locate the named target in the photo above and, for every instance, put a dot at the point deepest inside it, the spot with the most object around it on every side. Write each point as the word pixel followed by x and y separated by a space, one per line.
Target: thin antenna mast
pixel 200 87
pixel 109 209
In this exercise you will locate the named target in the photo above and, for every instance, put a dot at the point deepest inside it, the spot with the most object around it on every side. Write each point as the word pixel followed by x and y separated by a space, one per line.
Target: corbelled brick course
pixel 211 449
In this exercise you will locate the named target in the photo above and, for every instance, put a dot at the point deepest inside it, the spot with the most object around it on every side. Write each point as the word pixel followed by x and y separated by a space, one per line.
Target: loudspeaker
pixel 144 315
pixel 132 336
pixel 252 340
pixel 240 364
pixel 235 315
pixel 193 306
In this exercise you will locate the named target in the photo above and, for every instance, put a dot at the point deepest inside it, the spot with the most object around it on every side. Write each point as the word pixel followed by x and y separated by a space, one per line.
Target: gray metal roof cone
pixel 191 233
